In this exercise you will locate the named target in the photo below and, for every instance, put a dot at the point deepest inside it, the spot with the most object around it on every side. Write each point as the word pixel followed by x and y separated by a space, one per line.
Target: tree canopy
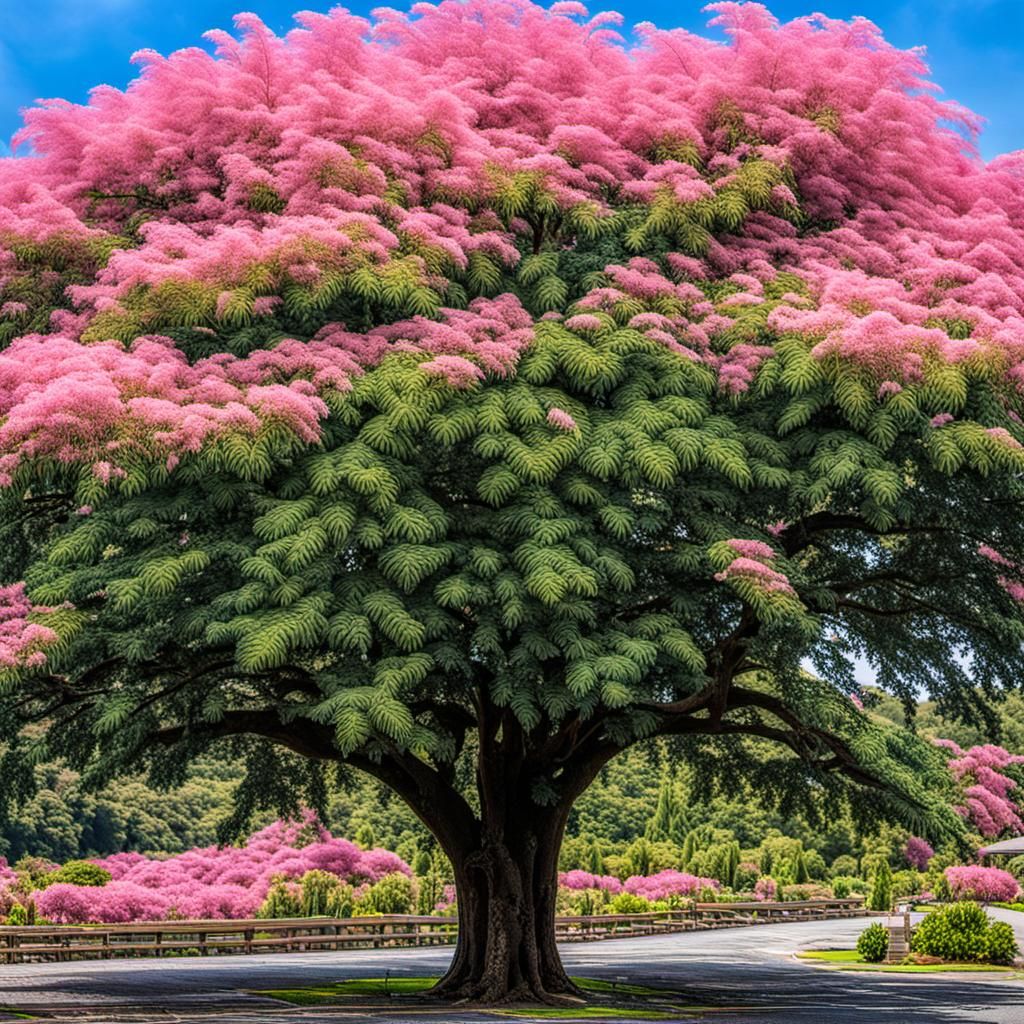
pixel 469 394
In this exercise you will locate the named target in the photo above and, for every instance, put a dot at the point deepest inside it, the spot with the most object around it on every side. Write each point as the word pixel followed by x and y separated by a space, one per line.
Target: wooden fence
pixel 306 934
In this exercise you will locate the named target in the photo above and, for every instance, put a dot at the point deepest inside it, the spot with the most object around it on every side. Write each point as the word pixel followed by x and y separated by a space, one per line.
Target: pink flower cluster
pixel 22 639
pixel 988 803
pixel 651 887
pixel 578 879
pixel 765 889
pixel 1013 586
pixel 971 882
pixel 918 852
pixel 214 882
pixel 63 400
pixel 668 883
pixel 349 143
pixel 751 566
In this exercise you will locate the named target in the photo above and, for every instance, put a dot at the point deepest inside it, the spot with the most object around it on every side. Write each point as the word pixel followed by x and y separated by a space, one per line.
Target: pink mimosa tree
pixel 468 394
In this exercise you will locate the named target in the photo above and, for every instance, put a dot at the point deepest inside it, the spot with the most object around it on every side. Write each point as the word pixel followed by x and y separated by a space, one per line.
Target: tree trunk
pixel 507 884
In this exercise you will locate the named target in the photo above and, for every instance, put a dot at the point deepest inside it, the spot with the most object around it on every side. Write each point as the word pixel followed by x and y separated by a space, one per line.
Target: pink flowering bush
pixel 668 883
pixel 215 882
pixel 765 889
pixel 918 852
pixel 971 882
pixel 585 880
pixel 987 790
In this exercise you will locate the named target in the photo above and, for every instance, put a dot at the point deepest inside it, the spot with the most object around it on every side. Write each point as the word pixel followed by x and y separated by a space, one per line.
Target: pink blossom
pixel 918 852
pixel 584 322
pixel 971 882
pixel 668 883
pixel 561 419
pixel 752 549
pixel 987 791
pixel 215 882
pixel 765 889
pixel 942 419
pixel 585 880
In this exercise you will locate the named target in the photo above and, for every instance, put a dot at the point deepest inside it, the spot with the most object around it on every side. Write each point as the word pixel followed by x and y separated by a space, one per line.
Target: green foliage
pixel 393 894
pixel 429 891
pixel 1001 943
pixel 964 932
pixel 873 943
pixel 627 903
pixel 881 888
pixel 284 899
pixel 77 872
pixel 844 864
pixel 317 892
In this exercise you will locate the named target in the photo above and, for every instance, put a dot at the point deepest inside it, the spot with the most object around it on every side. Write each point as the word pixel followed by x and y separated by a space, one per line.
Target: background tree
pixel 466 398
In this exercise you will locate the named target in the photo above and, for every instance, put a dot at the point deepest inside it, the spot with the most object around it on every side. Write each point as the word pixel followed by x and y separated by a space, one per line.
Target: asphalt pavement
pixel 747 975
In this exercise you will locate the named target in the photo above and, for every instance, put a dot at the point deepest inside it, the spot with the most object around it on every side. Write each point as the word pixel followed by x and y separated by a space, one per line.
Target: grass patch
pixel 849 960
pixel 320 995
pixel 615 988
pixel 1011 906
pixel 338 992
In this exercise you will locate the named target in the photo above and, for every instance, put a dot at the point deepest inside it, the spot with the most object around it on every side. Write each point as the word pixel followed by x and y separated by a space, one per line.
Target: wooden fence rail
pixel 203 938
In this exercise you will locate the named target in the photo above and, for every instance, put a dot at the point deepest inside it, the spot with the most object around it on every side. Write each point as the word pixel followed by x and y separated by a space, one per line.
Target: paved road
pixel 750 969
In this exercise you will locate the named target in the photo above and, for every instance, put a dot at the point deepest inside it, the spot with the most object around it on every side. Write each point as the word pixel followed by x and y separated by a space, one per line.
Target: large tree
pixel 468 396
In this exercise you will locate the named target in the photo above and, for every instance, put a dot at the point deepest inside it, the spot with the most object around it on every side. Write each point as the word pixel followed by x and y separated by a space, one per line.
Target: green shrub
pixel 843 865
pixel 317 887
pixel 1000 943
pixel 964 932
pixel 873 943
pixel 627 903
pixel 430 892
pixel 341 901
pixel 284 899
pixel 840 888
pixel 881 888
pixel 21 915
pixel 907 883
pixel 76 872
pixel 393 894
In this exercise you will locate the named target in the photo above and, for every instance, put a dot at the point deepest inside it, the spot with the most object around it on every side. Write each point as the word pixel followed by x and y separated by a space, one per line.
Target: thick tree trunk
pixel 507 885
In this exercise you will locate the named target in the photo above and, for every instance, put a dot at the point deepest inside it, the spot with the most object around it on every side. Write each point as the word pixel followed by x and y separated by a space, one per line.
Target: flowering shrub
pixel 668 883
pixel 765 888
pixel 988 804
pixel 226 882
pixel 918 852
pixel 971 882
pixel 585 880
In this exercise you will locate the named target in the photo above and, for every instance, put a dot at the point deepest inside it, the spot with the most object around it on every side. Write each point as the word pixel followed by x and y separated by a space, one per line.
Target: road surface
pixel 749 969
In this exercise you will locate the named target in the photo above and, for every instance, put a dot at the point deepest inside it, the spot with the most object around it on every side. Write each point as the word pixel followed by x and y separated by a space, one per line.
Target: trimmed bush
pixel 873 943
pixel 77 872
pixel 963 932
pixel 1000 943
pixel 881 888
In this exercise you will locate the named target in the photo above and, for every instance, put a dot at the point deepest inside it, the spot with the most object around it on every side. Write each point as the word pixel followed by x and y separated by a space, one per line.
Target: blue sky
pixel 64 47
